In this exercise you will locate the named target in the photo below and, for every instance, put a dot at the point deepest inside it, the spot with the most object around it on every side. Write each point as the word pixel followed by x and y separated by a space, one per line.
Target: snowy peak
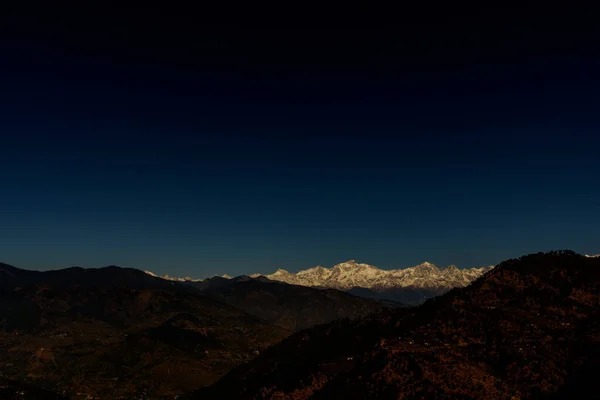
pixel 451 270
pixel 350 274
pixel 427 266
pixel 317 271
pixel 352 265
pixel 346 265
pixel 281 272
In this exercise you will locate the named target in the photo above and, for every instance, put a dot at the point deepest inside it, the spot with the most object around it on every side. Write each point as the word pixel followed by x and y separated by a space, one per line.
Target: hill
pixel 115 332
pixel 526 329
pixel 111 332
pixel 291 307
pixel 77 277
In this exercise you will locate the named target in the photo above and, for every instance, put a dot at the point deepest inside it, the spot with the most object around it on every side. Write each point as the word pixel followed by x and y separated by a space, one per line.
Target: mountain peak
pixel 318 268
pixel 281 271
pixel 426 265
pixel 349 264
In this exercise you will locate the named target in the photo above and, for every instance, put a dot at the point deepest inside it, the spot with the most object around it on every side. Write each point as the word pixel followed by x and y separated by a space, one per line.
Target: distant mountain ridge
pixel 186 279
pixel 351 274
pixel 409 285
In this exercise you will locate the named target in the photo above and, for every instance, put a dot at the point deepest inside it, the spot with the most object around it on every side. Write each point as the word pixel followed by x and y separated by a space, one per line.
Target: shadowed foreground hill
pixel 291 307
pixel 15 390
pixel 527 329
pixel 112 332
pixel 106 334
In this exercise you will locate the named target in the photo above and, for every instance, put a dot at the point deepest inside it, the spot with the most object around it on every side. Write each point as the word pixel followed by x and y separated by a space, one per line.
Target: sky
pixel 154 142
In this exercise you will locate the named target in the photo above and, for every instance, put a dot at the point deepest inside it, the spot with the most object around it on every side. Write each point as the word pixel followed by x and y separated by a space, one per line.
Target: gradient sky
pixel 260 149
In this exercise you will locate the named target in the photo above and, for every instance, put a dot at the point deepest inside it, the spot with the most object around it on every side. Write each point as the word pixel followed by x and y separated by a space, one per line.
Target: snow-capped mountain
pixel 350 274
pixel 596 256
pixel 410 285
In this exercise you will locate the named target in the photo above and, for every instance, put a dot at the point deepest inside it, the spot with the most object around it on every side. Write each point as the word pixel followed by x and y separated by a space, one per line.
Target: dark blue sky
pixel 260 157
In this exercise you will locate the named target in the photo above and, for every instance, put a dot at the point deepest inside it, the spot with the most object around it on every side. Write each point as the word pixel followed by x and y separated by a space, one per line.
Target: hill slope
pixel 291 307
pixel 527 329
pixel 113 332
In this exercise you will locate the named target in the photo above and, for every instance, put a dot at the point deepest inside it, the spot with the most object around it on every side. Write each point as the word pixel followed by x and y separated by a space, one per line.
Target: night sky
pixel 144 138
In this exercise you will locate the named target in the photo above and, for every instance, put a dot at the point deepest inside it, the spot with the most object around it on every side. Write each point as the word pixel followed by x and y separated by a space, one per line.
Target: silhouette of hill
pixel 107 277
pixel 113 331
pixel 526 329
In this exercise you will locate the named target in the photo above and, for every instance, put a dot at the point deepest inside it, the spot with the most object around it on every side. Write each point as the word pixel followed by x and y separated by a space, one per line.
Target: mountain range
pixel 350 274
pixel 410 285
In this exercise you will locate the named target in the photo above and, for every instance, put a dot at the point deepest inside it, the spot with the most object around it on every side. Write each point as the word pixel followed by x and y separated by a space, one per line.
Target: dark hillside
pixel 115 332
pixel 527 329
pixel 293 307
